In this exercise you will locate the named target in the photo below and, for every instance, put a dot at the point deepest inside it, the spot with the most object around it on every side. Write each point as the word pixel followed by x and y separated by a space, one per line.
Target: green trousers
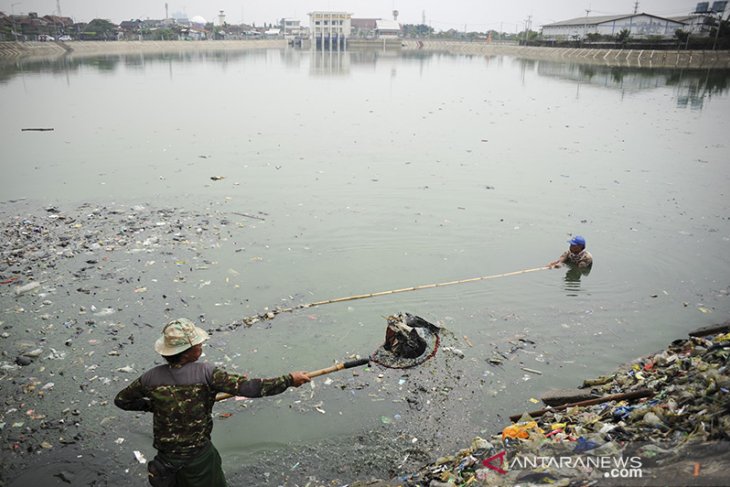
pixel 203 470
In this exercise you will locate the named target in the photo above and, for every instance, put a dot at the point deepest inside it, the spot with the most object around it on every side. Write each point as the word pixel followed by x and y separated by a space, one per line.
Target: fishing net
pixel 409 341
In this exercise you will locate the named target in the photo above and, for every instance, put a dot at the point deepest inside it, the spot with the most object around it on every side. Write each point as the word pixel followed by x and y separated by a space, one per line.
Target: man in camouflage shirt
pixel 181 395
pixel 577 255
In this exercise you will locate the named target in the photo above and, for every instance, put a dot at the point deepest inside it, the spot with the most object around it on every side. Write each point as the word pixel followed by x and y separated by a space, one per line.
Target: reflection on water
pixel 572 279
pixel 693 86
pixel 340 62
pixel 328 63
pixel 410 168
pixel 9 68
pixel 692 91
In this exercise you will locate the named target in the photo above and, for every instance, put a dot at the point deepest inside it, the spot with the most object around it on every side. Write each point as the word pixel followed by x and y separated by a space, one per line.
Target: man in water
pixel 576 256
pixel 180 394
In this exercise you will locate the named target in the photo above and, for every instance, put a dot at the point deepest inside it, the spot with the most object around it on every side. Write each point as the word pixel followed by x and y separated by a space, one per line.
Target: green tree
pixel 527 36
pixel 623 36
pixel 163 35
pixel 450 34
pixel 416 30
pixel 101 29
pixel 6 32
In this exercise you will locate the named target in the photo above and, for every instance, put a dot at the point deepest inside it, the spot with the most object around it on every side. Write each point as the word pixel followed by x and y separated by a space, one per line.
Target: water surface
pixel 373 171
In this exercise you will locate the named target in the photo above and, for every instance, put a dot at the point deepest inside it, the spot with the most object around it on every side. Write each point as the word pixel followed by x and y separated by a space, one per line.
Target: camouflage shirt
pixel 582 259
pixel 181 399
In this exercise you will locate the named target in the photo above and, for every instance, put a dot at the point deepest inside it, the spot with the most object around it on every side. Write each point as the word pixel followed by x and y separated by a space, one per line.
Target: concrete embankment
pixel 99 48
pixel 608 57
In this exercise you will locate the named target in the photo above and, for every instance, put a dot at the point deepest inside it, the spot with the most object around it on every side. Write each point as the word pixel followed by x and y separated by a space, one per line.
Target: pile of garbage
pixel 676 431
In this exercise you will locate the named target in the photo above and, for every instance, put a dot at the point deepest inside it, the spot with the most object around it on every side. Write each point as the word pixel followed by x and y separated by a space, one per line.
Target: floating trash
pixel 32 286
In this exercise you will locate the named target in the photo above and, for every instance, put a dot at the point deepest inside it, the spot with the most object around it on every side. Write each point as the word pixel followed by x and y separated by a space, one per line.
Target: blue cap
pixel 577 240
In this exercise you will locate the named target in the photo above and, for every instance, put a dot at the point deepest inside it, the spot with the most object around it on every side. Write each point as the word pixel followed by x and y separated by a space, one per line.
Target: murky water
pixel 374 171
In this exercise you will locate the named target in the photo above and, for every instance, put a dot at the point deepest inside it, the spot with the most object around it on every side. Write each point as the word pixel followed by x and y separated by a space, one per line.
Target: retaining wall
pixel 610 57
pixel 96 48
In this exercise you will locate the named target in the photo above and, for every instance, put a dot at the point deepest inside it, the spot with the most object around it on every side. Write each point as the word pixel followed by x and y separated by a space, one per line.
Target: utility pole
pixel 12 13
pixel 585 26
pixel 717 33
pixel 636 7
pixel 524 38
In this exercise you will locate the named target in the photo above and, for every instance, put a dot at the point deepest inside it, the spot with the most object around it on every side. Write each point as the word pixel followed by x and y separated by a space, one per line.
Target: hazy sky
pixel 479 15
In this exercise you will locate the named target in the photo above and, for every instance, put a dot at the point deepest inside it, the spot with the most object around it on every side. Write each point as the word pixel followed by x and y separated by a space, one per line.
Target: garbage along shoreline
pixel 676 432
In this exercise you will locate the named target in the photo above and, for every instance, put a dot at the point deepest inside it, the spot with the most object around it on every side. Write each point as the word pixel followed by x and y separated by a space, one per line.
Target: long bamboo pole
pixel 271 314
pixel 315 373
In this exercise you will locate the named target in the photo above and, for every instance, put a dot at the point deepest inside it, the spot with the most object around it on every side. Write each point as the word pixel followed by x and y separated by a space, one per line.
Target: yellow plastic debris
pixel 722 338
pixel 520 430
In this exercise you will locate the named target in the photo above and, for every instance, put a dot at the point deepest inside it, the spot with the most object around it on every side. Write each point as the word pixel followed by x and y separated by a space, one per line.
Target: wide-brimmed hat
pixel 179 335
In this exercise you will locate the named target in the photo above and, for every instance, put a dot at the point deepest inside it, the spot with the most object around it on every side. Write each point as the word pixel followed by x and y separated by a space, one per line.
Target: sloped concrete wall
pixel 611 57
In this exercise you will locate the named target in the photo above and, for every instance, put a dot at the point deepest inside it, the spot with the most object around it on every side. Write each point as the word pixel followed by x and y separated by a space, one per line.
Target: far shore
pixel 611 57
pixel 608 57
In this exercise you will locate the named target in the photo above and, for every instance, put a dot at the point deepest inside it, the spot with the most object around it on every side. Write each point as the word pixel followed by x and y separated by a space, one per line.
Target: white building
pixel 704 19
pixel 696 24
pixel 330 29
pixel 291 28
pixel 387 29
pixel 639 26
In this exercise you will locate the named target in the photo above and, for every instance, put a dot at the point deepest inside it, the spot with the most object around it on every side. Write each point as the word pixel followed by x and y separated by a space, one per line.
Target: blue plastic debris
pixel 584 445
